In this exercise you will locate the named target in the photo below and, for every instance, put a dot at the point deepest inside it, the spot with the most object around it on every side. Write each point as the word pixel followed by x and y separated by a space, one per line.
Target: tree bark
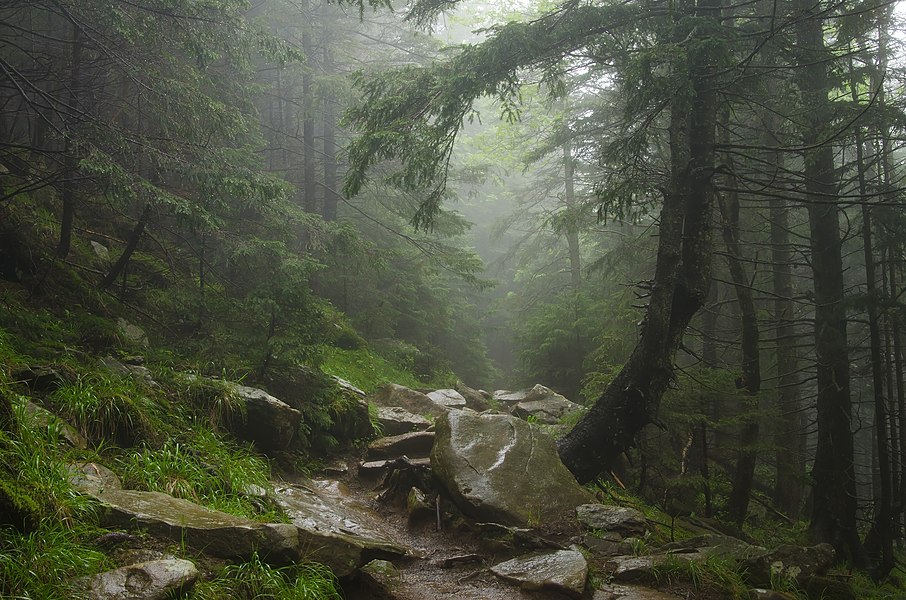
pixel 681 280
pixel 70 158
pixel 833 517
pixel 131 245
pixel 309 202
pixel 331 177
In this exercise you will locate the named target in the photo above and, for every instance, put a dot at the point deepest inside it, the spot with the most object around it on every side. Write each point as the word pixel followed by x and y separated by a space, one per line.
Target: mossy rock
pixel 18 507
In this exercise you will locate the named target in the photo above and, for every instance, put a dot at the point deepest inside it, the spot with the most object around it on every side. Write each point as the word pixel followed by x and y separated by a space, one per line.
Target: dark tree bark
pixel 681 280
pixel 833 518
pixel 131 244
pixel 70 158
pixel 309 202
pixel 744 473
pixel 331 177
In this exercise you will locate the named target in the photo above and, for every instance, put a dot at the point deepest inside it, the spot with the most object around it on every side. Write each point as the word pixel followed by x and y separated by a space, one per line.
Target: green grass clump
pixel 43 563
pixel 715 574
pixel 213 400
pixel 107 407
pixel 255 580
pixel 202 467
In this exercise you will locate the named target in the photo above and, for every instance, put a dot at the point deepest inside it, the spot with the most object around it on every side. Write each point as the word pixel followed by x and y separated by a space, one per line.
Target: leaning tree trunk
pixel 834 484
pixel 681 279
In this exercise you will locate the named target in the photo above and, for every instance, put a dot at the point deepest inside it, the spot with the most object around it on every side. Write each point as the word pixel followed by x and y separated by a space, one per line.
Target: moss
pixel 18 506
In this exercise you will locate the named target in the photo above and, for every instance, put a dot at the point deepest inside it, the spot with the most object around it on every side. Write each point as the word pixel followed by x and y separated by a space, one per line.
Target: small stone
pixel 448 398
pixel 153 580
pixel 626 521
pixel 417 506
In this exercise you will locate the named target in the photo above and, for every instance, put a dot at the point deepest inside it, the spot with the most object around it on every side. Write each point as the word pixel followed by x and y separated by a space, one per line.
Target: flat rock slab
pixel 500 468
pixel 413 401
pixel 395 420
pixel 643 568
pixel 271 423
pixel 416 444
pixel 152 580
pixel 547 410
pixel 623 520
pixel 212 532
pixel 563 570
pixel 448 398
pixel 334 528
pixel 631 592
pixel 378 467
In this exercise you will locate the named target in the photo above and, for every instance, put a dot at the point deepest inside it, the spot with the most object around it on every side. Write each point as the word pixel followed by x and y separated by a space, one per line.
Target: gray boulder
pixel 395 420
pixel 132 332
pixel 447 398
pixel 500 468
pixel 548 410
pixel 414 445
pixel 93 478
pixel 474 398
pixel 623 520
pixel 271 423
pixel 215 533
pixel 563 571
pixel 630 592
pixel 44 418
pixel 152 580
pixel 334 528
pixel 413 401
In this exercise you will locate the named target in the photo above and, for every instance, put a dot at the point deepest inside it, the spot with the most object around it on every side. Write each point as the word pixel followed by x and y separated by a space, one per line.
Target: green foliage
pixel 103 406
pixel 255 580
pixel 715 575
pixel 43 563
pixel 203 467
pixel 213 400
pixel 34 474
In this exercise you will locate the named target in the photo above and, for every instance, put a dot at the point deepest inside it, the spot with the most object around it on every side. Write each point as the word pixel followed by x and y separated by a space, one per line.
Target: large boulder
pixel 500 468
pixel 152 580
pixel 563 571
pixel 448 398
pixel 413 401
pixel 334 528
pixel 271 423
pixel 548 410
pixel 416 444
pixel 474 399
pixel 395 420
pixel 213 532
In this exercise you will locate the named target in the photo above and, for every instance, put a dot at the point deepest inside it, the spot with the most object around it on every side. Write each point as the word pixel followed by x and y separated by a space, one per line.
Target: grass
pixel 255 580
pixel 365 369
pixel 203 467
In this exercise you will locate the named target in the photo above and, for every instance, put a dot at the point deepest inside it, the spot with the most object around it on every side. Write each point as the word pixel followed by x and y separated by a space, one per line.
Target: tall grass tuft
pixel 255 580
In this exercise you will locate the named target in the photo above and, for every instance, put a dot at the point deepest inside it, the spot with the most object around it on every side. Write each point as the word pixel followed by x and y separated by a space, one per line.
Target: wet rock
pixel 511 538
pixel 270 423
pixel 348 388
pixel 509 399
pixel 44 418
pixel 129 370
pixel 448 398
pixel 623 520
pixel 564 571
pixel 378 467
pixel 503 469
pixel 548 410
pixel 761 594
pixel 630 592
pixel 334 528
pixel 93 478
pixel 101 251
pixel 605 547
pixel 215 533
pixel 416 444
pixel 629 569
pixel 380 578
pixel 153 580
pixel 395 420
pixel 792 563
pixel 474 398
pixel 413 401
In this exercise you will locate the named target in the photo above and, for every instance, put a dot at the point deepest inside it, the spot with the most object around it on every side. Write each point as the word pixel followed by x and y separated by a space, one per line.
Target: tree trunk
pixel 681 280
pixel 309 202
pixel 738 502
pixel 833 473
pixel 331 177
pixel 131 245
pixel 70 160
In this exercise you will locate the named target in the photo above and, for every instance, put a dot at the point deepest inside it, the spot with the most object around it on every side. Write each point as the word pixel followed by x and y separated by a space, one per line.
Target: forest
pixel 686 217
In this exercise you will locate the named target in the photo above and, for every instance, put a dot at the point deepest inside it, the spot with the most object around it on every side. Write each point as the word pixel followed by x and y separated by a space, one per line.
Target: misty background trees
pixel 687 216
